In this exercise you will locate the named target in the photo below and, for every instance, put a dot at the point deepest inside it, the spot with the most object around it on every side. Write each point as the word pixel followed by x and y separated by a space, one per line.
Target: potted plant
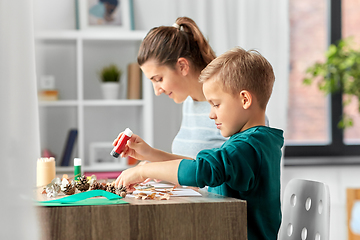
pixel 110 78
pixel 339 73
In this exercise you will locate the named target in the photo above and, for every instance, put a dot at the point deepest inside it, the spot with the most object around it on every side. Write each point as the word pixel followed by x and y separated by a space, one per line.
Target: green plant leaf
pixel 110 73
pixel 339 72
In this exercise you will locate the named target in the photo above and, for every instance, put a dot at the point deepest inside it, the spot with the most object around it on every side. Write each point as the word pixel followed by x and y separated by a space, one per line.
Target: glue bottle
pixel 121 143
pixel 77 168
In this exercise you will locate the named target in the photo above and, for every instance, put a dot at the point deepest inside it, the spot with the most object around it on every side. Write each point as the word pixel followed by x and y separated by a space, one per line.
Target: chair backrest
pixel 306 211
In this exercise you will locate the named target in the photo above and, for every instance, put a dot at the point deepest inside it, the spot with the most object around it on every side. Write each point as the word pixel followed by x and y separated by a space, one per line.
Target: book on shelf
pixel 134 88
pixel 69 146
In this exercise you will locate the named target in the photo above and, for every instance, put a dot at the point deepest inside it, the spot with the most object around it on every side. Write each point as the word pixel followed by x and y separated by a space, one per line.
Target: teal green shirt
pixel 247 166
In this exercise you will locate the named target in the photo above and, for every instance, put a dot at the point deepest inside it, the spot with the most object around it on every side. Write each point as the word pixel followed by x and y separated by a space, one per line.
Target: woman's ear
pixel 183 65
pixel 246 99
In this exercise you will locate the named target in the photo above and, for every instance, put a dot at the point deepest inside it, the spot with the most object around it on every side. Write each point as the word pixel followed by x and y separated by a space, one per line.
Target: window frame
pixel 336 147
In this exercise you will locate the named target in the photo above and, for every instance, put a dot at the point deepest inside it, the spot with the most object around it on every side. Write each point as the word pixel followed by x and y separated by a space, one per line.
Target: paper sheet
pixel 177 192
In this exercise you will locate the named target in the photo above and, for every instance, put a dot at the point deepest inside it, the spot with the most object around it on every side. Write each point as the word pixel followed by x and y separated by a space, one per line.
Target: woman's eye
pixel 216 105
pixel 158 80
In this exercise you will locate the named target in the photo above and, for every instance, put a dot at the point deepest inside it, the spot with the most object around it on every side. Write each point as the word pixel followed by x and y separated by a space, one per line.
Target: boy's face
pixel 226 109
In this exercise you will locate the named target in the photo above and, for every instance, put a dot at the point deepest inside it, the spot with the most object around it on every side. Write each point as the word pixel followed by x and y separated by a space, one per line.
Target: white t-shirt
pixel 197 131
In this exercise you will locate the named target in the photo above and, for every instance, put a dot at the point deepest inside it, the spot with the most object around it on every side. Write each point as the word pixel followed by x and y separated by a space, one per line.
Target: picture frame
pixel 100 156
pixel 353 213
pixel 104 15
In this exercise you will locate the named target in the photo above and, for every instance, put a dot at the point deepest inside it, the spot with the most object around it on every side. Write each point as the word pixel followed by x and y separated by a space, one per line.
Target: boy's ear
pixel 183 64
pixel 246 99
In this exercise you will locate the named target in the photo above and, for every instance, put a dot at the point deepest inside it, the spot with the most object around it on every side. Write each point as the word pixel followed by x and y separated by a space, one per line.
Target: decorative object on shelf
pixel 104 14
pixel 134 83
pixel 339 73
pixel 47 90
pixel 46 153
pixel 110 78
pixel 353 213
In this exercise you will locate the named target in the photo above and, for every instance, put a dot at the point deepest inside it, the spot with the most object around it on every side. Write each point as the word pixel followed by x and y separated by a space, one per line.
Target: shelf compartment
pixel 104 123
pixel 58 58
pixel 120 53
pixel 55 124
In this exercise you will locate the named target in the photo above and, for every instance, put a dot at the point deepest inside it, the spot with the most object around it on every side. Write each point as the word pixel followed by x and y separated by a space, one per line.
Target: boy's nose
pixel 212 115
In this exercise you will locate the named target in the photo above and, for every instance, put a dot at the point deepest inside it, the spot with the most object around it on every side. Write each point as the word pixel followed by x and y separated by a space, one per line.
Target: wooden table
pixel 208 217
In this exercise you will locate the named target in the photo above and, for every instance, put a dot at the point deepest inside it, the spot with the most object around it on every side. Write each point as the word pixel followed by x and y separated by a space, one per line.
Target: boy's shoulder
pixel 258 134
pixel 259 130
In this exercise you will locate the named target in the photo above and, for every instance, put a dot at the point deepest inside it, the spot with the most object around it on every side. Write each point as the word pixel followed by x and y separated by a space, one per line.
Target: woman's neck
pixel 196 90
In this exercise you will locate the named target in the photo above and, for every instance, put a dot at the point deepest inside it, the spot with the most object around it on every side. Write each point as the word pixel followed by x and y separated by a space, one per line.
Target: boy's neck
pixel 257 118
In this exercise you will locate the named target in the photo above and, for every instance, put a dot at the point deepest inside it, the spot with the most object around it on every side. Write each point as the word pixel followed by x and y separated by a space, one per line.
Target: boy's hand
pixel 148 179
pixel 136 148
pixel 129 178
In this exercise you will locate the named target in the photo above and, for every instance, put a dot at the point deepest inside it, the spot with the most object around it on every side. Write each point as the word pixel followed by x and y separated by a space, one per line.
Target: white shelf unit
pixel 74 58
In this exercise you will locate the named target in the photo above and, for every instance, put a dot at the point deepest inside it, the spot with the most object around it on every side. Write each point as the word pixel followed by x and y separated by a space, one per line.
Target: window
pixel 313 117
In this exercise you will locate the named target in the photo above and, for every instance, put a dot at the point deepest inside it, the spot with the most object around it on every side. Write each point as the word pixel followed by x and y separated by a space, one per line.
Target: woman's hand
pixel 135 147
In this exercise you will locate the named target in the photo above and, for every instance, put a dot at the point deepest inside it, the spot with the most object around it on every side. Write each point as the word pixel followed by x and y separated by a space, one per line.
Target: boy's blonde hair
pixel 238 70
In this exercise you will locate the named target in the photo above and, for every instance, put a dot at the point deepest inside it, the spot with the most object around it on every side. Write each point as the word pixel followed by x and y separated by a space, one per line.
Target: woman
pixel 172 57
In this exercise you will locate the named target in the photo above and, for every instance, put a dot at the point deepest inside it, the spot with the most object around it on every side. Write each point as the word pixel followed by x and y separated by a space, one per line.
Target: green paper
pixel 85 199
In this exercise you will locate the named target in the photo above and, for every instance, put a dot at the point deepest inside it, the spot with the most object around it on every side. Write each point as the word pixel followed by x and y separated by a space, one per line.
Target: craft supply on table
pixel 121 143
pixel 45 171
pixel 66 186
pixel 77 168
pixel 94 197
pixel 161 191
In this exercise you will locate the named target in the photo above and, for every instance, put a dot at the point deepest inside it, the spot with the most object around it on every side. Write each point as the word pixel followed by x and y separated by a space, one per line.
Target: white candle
pixel 45 171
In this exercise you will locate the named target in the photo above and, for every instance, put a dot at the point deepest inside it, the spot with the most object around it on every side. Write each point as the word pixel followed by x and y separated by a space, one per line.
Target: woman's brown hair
pixel 166 44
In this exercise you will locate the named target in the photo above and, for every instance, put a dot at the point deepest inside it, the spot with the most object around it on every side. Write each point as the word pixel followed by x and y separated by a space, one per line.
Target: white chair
pixel 306 211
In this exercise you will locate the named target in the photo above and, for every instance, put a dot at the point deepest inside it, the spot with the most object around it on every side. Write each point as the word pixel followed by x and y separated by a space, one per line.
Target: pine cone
pixel 96 185
pixel 121 191
pixel 110 187
pixel 69 189
pixel 82 184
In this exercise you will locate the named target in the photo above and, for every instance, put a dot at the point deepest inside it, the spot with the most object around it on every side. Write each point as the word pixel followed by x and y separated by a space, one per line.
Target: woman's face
pixel 166 80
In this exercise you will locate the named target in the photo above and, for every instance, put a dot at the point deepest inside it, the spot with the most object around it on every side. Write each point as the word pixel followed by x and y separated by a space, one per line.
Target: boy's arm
pixel 159 155
pixel 167 171
pixel 137 148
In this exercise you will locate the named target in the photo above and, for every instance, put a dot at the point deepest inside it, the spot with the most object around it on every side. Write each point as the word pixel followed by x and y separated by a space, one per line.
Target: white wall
pixel 338 178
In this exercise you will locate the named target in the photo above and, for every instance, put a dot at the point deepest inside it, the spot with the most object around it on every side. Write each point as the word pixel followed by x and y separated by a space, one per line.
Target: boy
pixel 238 85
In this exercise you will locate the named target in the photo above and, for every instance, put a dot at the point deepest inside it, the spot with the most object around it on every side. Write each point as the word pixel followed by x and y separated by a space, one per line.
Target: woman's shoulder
pixel 195 107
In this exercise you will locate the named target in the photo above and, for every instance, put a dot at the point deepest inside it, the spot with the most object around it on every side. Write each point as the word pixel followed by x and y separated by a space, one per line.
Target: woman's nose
pixel 158 90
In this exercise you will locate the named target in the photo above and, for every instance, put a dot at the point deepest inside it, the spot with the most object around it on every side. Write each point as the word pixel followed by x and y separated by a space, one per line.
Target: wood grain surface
pixel 208 217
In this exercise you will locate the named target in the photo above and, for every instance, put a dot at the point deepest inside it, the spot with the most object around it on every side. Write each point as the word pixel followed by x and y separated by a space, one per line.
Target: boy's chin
pixel 224 134
pixel 227 134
